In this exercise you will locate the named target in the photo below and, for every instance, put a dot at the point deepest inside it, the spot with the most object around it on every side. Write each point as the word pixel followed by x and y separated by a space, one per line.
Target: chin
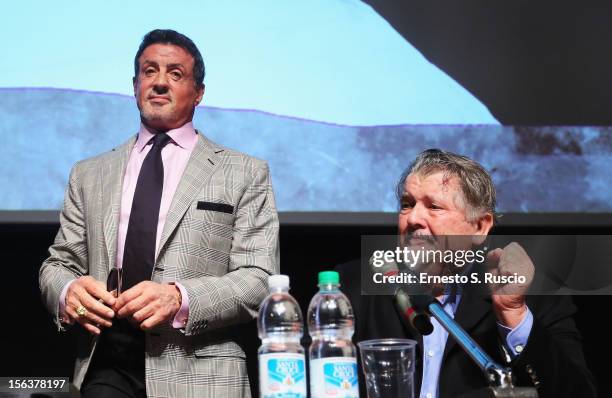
pixel 156 120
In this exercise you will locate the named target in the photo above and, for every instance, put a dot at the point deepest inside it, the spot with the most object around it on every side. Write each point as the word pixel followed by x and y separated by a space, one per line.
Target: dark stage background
pixel 32 347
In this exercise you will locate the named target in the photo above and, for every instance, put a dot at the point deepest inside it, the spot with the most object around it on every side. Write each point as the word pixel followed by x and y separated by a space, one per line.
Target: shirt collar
pixel 184 136
pixel 452 292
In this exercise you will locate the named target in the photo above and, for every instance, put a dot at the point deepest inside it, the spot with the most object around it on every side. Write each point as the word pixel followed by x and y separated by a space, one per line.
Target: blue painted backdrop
pixel 315 166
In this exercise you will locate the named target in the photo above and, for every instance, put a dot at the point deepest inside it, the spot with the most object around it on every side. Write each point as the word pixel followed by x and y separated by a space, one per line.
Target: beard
pixel 155 119
pixel 431 265
pixel 158 117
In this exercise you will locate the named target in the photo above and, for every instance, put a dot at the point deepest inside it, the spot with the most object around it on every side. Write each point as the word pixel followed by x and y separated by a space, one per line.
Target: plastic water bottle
pixel 333 357
pixel 282 367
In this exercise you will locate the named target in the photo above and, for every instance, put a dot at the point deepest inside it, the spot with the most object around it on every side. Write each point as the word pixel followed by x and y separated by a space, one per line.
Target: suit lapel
pixel 202 163
pixel 112 182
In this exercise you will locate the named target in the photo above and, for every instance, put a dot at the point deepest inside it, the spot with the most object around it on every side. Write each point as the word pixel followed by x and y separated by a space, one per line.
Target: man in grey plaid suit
pixel 175 332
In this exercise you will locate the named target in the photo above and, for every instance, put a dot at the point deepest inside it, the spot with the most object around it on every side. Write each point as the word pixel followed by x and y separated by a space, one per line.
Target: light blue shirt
pixel 433 344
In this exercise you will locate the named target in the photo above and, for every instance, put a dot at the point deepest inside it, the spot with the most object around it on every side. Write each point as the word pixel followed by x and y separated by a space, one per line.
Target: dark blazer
pixel 552 360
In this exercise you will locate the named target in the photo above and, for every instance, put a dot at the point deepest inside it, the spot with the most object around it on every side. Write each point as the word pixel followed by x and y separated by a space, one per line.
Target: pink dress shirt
pixel 175 156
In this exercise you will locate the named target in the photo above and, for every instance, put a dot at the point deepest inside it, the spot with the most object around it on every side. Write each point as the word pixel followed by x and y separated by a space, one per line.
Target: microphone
pixel 412 315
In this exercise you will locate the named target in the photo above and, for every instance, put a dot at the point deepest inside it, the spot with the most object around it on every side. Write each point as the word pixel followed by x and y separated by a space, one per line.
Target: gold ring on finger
pixel 81 310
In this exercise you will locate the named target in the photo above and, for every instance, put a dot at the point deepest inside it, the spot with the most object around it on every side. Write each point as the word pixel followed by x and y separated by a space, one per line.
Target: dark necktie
pixel 139 249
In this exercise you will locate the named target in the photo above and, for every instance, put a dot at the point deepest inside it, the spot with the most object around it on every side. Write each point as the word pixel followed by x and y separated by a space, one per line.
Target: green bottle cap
pixel 326 277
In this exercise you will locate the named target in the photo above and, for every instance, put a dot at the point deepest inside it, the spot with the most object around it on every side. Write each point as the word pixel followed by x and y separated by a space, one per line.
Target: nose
pixel 160 85
pixel 416 218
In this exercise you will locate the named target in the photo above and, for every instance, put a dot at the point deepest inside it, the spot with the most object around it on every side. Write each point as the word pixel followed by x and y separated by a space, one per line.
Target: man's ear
pixel 200 94
pixel 483 224
pixel 135 83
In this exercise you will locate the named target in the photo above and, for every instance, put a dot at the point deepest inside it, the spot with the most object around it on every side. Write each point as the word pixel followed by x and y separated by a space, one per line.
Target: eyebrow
pixel 172 66
pixel 406 196
pixel 428 198
pixel 147 62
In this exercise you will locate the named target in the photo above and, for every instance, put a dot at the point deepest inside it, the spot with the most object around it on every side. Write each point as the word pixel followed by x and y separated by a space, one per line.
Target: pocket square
pixel 220 207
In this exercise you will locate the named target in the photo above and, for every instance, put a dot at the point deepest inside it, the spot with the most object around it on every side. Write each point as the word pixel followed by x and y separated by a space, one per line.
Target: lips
pixel 159 98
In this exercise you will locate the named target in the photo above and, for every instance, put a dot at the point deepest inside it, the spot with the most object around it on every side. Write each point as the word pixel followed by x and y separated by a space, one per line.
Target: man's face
pixel 164 88
pixel 433 206
pixel 433 209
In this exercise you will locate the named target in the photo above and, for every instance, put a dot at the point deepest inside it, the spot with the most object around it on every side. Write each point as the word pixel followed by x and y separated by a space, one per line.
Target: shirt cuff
pixel 61 313
pixel 180 319
pixel 516 339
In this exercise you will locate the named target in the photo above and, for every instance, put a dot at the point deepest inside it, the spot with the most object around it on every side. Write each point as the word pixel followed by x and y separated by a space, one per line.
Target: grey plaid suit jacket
pixel 222 258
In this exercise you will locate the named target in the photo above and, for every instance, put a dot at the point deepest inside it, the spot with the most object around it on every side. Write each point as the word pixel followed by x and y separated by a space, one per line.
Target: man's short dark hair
pixel 169 36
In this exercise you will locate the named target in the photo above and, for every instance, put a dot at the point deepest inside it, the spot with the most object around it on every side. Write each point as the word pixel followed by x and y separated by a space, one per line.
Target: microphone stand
pixel 499 377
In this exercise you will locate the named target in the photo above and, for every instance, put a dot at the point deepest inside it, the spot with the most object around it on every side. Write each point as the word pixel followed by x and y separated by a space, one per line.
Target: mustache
pixel 407 237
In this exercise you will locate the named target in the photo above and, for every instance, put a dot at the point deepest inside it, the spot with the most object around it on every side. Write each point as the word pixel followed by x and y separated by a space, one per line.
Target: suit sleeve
pixel 553 359
pixel 68 254
pixel 216 302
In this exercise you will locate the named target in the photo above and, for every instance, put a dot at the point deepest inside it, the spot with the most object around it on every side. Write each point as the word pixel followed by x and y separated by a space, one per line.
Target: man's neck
pixel 165 129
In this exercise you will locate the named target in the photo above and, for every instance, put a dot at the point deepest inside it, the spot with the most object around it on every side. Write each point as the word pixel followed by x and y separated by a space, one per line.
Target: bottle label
pixel 282 375
pixel 334 377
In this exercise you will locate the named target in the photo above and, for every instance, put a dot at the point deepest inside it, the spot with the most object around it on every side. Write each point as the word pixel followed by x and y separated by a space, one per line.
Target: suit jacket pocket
pixel 213 212
pixel 214 206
